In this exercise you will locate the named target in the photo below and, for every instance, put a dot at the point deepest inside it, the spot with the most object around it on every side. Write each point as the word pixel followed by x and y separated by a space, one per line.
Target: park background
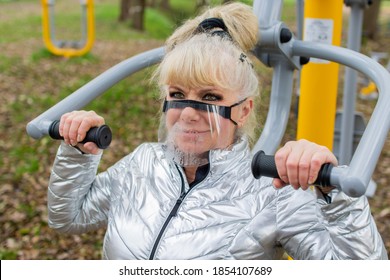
pixel 32 80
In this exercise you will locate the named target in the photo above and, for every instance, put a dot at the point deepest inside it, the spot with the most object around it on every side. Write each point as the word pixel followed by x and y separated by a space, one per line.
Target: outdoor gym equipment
pixel 369 91
pixel 68 48
pixel 350 85
pixel 278 49
pixel 350 124
pixel 101 135
pixel 317 98
pixel 264 165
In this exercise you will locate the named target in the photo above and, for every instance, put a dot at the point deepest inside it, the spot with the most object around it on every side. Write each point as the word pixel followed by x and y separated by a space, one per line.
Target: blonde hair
pixel 196 59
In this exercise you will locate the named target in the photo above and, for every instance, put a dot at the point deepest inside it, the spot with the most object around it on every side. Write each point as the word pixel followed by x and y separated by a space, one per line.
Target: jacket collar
pixel 223 160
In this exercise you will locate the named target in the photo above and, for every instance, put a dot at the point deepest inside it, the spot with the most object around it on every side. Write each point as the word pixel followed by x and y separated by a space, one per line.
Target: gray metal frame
pixel 284 58
pixel 39 126
pixel 350 82
pixel 60 43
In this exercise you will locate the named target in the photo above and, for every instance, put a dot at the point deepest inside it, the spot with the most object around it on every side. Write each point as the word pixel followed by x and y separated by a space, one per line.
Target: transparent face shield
pixel 190 129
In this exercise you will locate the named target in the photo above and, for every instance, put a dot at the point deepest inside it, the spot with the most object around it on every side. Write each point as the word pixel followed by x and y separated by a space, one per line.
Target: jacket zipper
pixel 170 216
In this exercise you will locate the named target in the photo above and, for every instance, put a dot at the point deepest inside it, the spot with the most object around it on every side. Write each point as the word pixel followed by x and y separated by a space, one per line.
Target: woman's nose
pixel 189 114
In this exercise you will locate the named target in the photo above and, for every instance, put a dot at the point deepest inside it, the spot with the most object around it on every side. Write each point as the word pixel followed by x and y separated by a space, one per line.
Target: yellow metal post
pixel 319 79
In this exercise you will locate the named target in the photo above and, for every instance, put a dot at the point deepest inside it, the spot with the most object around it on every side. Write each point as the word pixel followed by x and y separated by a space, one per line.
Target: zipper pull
pixel 176 207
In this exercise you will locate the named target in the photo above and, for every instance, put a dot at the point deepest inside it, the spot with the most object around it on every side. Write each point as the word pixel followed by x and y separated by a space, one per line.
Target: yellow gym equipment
pixel 319 78
pixel 63 48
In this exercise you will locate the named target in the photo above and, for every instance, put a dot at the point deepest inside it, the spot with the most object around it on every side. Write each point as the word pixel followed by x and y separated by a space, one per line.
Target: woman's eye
pixel 176 95
pixel 212 97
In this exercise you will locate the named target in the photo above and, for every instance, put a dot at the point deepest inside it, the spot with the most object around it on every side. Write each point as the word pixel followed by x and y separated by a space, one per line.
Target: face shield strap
pixel 223 111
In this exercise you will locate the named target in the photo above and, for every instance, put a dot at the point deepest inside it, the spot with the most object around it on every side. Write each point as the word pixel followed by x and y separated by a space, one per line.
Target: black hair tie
pixel 211 23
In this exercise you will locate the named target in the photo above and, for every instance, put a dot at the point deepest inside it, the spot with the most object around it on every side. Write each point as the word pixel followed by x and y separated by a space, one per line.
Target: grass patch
pixel 6 62
pixel 8 255
pixel 41 54
pixel 20 29
pixel 157 25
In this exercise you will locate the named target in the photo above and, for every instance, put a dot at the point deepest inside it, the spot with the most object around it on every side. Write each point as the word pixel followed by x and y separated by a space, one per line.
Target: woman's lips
pixel 192 134
pixel 193 131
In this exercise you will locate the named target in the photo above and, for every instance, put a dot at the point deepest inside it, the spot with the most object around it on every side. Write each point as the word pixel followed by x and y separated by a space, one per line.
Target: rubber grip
pixel 264 165
pixel 101 135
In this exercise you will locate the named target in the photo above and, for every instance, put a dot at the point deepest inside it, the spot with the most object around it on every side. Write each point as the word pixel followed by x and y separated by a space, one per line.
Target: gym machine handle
pixel 264 165
pixel 101 135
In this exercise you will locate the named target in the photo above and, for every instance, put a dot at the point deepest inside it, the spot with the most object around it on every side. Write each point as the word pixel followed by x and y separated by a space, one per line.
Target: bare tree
pixel 370 21
pixel 124 10
pixel 133 10
pixel 138 11
pixel 152 3
pixel 165 5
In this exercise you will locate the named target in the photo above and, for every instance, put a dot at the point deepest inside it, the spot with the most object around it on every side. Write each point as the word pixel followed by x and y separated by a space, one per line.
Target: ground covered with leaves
pixel 31 81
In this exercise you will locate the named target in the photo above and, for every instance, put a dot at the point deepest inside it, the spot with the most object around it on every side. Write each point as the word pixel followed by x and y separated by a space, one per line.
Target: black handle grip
pixel 264 165
pixel 101 135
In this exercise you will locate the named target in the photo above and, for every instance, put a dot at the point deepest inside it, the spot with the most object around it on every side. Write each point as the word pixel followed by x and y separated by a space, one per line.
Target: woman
pixel 192 195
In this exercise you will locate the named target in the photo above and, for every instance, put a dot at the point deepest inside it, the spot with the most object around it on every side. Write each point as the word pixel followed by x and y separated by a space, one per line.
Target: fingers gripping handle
pixel 101 135
pixel 264 165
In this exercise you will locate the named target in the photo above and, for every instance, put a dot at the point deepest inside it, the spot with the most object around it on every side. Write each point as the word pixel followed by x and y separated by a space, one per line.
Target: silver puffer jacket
pixel 151 213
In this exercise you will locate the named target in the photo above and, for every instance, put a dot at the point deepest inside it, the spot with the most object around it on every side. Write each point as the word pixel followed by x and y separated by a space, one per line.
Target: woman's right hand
pixel 74 127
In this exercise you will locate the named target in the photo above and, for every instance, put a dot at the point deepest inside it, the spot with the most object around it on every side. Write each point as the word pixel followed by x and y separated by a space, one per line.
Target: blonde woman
pixel 192 195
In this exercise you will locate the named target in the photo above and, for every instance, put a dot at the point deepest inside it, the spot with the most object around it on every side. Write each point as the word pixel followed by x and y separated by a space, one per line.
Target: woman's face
pixel 197 131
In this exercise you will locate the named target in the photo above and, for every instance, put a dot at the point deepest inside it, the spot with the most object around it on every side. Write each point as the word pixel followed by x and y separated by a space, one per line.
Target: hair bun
pixel 235 19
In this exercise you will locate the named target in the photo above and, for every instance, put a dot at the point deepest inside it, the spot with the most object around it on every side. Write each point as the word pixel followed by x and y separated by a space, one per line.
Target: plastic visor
pixel 223 111
pixel 190 135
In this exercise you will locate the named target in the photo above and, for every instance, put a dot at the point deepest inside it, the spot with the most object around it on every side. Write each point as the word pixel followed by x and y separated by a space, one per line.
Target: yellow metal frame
pixel 68 52
pixel 370 88
pixel 319 81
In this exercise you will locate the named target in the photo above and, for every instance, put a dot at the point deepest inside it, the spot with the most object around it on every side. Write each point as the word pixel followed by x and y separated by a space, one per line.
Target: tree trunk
pixel 152 3
pixel 138 11
pixel 370 20
pixel 124 10
pixel 133 10
pixel 165 5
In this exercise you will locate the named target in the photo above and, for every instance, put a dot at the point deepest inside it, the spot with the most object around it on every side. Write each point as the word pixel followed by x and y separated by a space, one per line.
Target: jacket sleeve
pixel 77 201
pixel 311 228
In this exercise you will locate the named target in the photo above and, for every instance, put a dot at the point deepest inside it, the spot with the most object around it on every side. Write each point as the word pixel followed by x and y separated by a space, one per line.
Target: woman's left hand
pixel 298 163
